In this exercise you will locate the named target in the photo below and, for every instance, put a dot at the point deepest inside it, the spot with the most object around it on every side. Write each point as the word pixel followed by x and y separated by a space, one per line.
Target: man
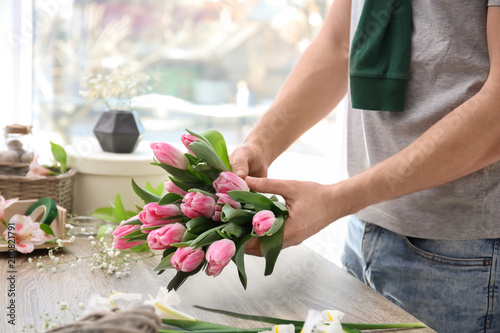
pixel 424 186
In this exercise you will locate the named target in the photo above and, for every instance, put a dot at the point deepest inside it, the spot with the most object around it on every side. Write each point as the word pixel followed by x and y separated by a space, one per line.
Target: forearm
pixel 315 86
pixel 464 141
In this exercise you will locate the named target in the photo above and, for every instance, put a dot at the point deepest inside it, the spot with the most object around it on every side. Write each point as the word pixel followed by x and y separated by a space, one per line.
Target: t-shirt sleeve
pixel 493 2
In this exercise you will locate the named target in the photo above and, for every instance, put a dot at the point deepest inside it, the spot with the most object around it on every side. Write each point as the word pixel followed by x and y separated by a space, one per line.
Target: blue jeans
pixel 452 286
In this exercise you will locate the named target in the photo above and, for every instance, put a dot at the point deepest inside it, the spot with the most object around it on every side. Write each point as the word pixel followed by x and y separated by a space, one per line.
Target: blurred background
pixel 212 64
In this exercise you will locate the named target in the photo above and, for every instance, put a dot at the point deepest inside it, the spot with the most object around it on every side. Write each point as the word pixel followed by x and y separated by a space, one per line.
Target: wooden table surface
pixel 302 280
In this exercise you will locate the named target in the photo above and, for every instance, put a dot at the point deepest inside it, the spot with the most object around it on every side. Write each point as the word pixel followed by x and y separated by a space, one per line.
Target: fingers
pixel 266 185
pixel 239 163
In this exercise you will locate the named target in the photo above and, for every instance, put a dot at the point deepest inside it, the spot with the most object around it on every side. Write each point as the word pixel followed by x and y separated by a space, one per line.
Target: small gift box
pixel 58 225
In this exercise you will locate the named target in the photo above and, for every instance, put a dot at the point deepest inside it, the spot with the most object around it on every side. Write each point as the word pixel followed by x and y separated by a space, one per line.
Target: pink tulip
pixel 218 255
pixel 186 259
pixel 170 187
pixel 153 214
pixel 37 170
pixel 122 231
pixel 196 204
pixel 168 154
pixel 263 221
pixel 224 199
pixel 27 233
pixel 228 181
pixel 187 139
pixel 4 204
pixel 161 239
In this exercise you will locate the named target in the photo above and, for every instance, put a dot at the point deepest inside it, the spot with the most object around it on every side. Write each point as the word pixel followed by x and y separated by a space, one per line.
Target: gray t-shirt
pixel 449 64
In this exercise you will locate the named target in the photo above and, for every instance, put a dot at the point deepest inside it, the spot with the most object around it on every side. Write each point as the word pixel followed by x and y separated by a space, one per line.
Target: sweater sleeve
pixel 493 2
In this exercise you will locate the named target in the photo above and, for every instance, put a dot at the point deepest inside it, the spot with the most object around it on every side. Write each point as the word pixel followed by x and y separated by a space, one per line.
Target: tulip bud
pixel 153 214
pixel 162 238
pixel 187 139
pixel 196 204
pixel 168 154
pixel 263 221
pixel 122 231
pixel 218 255
pixel 187 259
pixel 170 187
pixel 223 199
pixel 228 181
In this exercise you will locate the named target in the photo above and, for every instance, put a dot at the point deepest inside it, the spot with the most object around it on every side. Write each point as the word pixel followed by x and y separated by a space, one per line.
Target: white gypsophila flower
pixel 163 303
pixel 54 269
pixel 63 306
pixel 72 239
pixel 30 260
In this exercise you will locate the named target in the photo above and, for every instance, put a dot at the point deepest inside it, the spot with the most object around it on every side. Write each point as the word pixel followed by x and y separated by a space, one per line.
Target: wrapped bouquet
pixel 208 214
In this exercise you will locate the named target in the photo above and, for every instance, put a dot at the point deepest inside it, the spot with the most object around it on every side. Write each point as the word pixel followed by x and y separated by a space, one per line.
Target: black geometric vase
pixel 119 131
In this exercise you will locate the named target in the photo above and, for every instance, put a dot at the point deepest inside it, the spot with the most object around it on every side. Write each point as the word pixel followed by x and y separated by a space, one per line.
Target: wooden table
pixel 302 280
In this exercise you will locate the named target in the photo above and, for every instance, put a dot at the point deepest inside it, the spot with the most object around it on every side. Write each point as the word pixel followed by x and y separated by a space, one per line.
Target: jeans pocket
pixel 435 251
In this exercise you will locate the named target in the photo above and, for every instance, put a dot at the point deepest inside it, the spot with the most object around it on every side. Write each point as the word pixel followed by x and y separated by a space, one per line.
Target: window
pixel 212 63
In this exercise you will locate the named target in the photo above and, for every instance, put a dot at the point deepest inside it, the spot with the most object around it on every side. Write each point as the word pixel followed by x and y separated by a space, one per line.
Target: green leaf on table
pixel 158 190
pixel 239 256
pixel 47 229
pixel 271 247
pixel 181 277
pixel 169 198
pixel 59 155
pixel 182 175
pixel 237 216
pixel 205 152
pixel 270 320
pixel 195 325
pixel 145 195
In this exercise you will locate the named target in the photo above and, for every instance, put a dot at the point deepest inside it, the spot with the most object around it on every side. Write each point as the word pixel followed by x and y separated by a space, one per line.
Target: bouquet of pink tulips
pixel 208 214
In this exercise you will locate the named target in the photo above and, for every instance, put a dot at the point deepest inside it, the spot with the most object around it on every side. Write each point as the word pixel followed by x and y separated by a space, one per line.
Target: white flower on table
pixel 163 305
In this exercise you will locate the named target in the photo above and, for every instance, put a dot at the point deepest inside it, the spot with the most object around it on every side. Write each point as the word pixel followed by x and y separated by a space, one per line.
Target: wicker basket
pixel 59 188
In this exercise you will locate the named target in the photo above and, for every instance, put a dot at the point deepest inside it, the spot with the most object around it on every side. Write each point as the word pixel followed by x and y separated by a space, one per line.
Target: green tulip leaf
pixel 169 198
pixel 140 248
pixel 206 153
pixel 165 261
pixel 181 277
pixel 119 210
pixel 232 229
pixel 133 222
pixel 205 193
pixel 217 141
pixel 136 238
pixel 278 222
pixel 145 195
pixel 239 257
pixel 182 175
pixel 196 325
pixel 185 186
pixel 270 320
pixel 199 225
pixel 271 247
pixel 237 216
pixel 257 200
pixel 158 190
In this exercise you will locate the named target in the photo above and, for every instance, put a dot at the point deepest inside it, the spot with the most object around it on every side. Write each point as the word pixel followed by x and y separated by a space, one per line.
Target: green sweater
pixel 380 56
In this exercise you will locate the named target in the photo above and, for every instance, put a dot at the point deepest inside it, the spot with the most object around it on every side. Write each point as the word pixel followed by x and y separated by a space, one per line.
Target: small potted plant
pixel 118 130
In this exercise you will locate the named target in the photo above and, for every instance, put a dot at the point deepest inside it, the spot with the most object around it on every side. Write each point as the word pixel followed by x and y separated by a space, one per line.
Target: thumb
pixel 239 167
pixel 267 185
